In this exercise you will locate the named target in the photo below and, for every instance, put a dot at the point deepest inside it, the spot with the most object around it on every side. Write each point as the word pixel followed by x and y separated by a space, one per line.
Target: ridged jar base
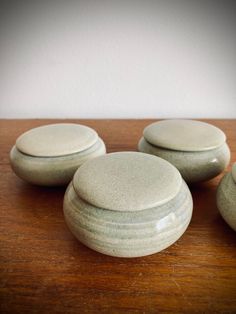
pixel 193 166
pixel 226 200
pixel 128 234
pixel 52 171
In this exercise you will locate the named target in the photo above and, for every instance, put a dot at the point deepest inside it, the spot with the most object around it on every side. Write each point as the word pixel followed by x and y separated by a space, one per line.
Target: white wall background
pixel 118 59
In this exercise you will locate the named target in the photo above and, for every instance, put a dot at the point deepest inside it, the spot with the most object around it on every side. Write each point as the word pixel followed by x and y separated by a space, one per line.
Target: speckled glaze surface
pixel 54 140
pixel 184 135
pixel 52 171
pixel 226 199
pixel 127 181
pixel 193 166
pixel 128 233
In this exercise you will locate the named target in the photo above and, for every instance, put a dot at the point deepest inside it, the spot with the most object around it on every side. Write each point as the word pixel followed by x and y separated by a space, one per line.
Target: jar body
pixel 52 171
pixel 128 234
pixel 226 199
pixel 193 166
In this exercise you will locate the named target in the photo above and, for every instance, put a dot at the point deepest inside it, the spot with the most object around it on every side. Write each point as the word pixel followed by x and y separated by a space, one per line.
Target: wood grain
pixel 44 269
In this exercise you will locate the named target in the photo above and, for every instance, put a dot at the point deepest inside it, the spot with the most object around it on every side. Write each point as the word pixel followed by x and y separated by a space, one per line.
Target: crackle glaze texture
pixel 193 166
pixel 128 234
pixel 49 155
pixel 55 170
pixel 127 181
pixel 121 230
pixel 197 149
pixel 226 199
pixel 184 135
pixel 54 140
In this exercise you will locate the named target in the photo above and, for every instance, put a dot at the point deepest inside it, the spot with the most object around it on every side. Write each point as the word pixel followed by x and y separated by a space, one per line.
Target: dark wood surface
pixel 44 269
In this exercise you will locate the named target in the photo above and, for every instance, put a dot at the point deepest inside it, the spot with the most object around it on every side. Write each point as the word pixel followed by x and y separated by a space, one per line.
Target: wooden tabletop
pixel 44 269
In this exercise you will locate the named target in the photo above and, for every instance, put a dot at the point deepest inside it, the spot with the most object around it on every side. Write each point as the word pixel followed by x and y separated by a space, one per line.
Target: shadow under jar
pixel 49 155
pixel 127 204
pixel 197 149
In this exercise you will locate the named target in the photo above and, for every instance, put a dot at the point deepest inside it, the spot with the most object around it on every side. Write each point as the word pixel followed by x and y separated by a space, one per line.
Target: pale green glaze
pixel 54 140
pixel 184 135
pixel 128 234
pixel 127 181
pixel 234 172
pixel 193 166
pixel 52 171
pixel 226 199
pixel 124 231
pixel 197 149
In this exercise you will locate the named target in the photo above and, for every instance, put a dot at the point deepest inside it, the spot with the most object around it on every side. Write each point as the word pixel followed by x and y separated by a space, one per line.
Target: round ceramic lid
pixel 56 140
pixel 184 135
pixel 127 181
pixel 234 172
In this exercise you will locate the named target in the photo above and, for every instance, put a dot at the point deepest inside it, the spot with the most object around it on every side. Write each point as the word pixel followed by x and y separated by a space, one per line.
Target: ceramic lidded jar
pixel 226 197
pixel 197 149
pixel 127 204
pixel 49 155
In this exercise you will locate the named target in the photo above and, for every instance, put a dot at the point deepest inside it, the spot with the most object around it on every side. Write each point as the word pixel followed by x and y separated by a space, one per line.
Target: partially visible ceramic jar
pixel 226 197
pixel 197 149
pixel 127 204
pixel 49 155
